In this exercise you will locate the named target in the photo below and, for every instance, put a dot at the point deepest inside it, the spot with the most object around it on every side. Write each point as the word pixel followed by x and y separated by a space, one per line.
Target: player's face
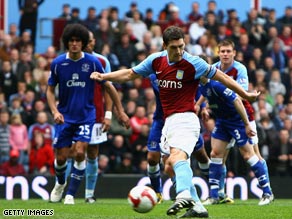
pixel 175 49
pixel 226 54
pixel 75 45
pixel 91 43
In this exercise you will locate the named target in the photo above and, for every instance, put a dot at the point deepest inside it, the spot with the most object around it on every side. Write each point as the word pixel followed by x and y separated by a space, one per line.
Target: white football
pixel 142 199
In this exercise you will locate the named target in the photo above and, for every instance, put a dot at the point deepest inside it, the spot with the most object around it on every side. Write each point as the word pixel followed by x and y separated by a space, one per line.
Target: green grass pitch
pixel 120 209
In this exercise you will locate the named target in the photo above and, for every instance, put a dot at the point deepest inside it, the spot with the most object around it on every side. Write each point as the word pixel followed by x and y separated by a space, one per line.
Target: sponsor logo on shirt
pixel 170 84
pixel 74 82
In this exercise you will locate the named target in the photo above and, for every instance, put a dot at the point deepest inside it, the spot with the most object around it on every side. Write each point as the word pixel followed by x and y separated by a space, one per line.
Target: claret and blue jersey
pixel 177 82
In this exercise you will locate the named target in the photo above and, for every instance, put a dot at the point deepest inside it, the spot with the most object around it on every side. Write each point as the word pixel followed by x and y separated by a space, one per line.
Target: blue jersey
pixel 76 89
pixel 158 114
pixel 220 99
pixel 178 82
pixel 228 121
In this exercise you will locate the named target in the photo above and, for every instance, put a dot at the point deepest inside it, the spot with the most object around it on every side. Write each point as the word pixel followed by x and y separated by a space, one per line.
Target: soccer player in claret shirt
pixel 177 72
pixel 75 113
pixel 238 72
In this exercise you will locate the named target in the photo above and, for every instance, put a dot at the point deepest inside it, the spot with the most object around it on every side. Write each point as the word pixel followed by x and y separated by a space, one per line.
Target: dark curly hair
pixel 75 30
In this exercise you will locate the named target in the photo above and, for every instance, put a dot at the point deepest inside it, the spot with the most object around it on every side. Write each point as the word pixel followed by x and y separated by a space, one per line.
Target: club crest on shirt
pixel 179 74
pixel 85 67
pixel 75 76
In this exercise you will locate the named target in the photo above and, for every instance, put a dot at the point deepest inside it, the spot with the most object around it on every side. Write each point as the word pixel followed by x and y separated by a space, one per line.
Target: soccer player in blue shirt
pixel 177 72
pixel 74 114
pixel 231 123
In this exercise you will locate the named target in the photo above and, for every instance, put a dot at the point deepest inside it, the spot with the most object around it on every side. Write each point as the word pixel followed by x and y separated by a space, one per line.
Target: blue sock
pixel 60 172
pixel 221 191
pixel 76 177
pixel 258 168
pixel 91 177
pixel 215 170
pixel 183 176
pixel 266 171
pixel 155 179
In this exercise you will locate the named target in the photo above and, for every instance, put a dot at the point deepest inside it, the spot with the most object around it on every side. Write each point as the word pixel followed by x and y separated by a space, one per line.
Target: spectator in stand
pixel 112 58
pixel 125 51
pixel 3 103
pixel 28 103
pixel 41 157
pixel 16 107
pixel 202 47
pixel 12 167
pixel 137 121
pixel 286 37
pixel 116 149
pixel 18 139
pixel 14 60
pixel 12 31
pixel 258 57
pixel 146 44
pixel 273 36
pixel 175 19
pixel 75 17
pixel 252 19
pixel 275 84
pixel 116 24
pixel 6 47
pixel 211 23
pixel 8 81
pixel 278 55
pixel 25 64
pixel 272 21
pixel 91 20
pixel 139 146
pixel 196 30
pixel 164 14
pixel 221 33
pixel 41 126
pixel 156 40
pixel 258 36
pixel 281 154
pixel 195 13
pixel 21 89
pixel 66 12
pixel 149 20
pixel 287 17
pixel 130 13
pixel 4 136
pixel 25 39
pixel 212 7
pixel 29 17
pixel 40 70
pixel 279 103
pixel 103 35
pixel 289 109
pixel 103 166
pixel 126 166
pixel 138 26
pixel 245 47
pixel 49 55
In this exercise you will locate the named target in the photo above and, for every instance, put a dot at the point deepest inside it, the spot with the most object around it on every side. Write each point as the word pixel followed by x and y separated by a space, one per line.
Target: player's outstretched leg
pixel 57 192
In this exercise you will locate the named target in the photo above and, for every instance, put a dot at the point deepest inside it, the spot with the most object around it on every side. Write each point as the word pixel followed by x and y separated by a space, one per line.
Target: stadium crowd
pixel 263 44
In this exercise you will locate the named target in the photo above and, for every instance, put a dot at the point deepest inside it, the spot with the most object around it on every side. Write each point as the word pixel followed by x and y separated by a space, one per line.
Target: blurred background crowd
pixel 263 43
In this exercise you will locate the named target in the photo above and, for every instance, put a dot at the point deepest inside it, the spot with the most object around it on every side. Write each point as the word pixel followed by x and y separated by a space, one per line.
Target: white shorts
pixel 97 136
pixel 254 139
pixel 180 130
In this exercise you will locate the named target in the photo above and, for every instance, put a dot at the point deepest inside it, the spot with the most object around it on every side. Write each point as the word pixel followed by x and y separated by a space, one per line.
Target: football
pixel 142 199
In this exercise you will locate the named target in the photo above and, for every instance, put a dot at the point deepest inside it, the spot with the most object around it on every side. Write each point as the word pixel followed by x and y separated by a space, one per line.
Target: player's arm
pixel 108 112
pixel 233 85
pixel 58 117
pixel 117 102
pixel 119 76
pixel 242 112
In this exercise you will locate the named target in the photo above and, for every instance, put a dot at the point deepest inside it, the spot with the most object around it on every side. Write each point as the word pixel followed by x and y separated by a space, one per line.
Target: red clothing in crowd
pixel 9 169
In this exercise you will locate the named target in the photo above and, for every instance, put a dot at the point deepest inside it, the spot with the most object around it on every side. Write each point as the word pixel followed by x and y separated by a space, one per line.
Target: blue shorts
pixel 226 131
pixel 200 143
pixel 67 133
pixel 155 135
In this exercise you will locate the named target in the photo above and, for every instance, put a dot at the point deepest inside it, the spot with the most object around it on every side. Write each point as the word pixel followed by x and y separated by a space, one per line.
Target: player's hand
pixel 124 119
pixel 96 76
pixel 205 114
pixel 252 96
pixel 106 124
pixel 249 131
pixel 58 118
pixel 197 109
